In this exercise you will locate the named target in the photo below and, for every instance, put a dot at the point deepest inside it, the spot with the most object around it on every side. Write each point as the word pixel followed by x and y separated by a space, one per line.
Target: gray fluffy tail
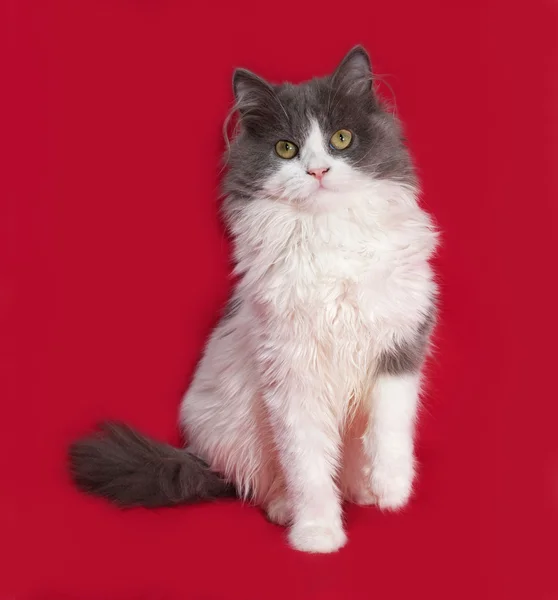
pixel 131 470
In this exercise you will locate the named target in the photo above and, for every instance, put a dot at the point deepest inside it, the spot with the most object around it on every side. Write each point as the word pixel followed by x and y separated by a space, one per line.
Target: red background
pixel 114 265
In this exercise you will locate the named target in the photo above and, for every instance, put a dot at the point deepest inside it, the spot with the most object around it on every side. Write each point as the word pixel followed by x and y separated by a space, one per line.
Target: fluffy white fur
pixel 284 402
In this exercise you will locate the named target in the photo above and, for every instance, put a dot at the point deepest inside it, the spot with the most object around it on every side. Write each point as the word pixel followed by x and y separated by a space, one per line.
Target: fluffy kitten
pixel 307 391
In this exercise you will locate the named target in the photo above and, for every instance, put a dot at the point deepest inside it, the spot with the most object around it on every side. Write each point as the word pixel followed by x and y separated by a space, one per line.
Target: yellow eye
pixel 341 139
pixel 286 149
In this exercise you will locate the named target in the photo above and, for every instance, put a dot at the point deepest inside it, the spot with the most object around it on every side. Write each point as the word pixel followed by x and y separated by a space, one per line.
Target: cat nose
pixel 318 173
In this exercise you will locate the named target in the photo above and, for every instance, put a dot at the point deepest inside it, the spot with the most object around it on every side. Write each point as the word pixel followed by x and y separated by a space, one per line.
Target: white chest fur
pixel 361 271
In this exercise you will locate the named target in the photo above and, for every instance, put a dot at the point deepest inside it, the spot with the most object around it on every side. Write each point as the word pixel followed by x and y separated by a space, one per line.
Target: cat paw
pixel 391 488
pixel 319 538
pixel 279 511
pixel 364 497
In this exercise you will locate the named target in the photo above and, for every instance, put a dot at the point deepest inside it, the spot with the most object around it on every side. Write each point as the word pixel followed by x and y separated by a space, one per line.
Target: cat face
pixel 315 145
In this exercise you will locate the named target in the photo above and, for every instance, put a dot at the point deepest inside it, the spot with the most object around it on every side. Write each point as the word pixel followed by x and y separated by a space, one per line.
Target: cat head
pixel 315 145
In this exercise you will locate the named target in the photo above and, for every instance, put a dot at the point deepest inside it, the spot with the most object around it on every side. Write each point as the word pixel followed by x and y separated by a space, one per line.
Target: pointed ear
pixel 249 89
pixel 354 74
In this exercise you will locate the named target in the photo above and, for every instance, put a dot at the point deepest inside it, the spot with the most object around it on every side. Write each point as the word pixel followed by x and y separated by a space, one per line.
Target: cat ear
pixel 250 90
pixel 354 74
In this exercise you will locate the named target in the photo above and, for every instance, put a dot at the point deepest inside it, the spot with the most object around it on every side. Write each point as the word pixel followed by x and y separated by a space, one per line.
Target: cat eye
pixel 341 139
pixel 286 149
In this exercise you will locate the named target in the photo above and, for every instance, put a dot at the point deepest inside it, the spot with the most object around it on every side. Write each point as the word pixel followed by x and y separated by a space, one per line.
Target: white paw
pixel 317 537
pixel 364 497
pixel 279 511
pixel 392 487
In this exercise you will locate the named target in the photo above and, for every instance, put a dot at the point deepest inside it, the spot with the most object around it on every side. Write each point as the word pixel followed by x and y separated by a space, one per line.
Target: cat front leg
pixel 308 446
pixel 388 441
pixel 389 438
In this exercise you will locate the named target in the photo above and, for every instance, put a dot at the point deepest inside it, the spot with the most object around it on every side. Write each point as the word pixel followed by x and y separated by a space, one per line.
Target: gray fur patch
pixel 131 470
pixel 409 356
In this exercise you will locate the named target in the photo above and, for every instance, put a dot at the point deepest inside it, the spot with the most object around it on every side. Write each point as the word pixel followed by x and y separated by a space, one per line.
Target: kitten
pixel 307 391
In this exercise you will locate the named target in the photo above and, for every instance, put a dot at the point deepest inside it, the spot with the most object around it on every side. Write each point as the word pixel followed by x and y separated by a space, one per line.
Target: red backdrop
pixel 114 266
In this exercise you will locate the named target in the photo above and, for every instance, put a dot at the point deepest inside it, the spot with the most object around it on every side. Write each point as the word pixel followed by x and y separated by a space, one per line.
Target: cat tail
pixel 131 470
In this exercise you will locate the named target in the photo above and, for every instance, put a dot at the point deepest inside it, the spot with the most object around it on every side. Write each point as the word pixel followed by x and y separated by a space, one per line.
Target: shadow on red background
pixel 113 268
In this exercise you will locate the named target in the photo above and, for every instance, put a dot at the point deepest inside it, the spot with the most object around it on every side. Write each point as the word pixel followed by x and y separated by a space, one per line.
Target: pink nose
pixel 317 173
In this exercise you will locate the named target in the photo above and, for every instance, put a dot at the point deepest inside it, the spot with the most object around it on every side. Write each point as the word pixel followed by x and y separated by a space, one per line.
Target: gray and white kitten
pixel 307 391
